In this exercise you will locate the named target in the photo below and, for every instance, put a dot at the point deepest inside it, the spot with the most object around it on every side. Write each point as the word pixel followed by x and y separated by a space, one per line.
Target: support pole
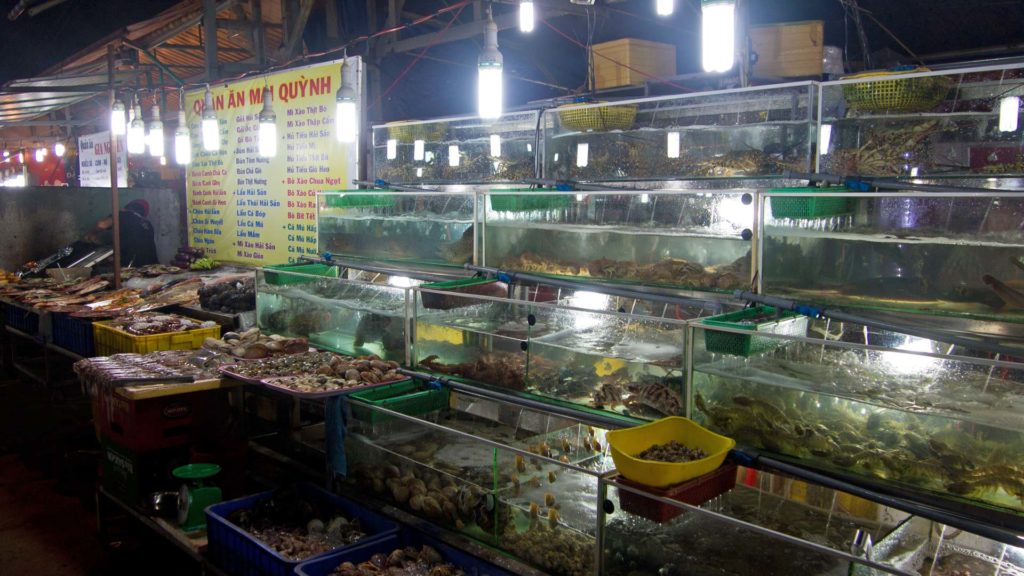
pixel 210 38
pixel 115 201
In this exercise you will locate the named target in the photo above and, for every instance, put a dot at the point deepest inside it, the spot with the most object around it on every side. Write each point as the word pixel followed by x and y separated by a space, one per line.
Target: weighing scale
pixel 195 495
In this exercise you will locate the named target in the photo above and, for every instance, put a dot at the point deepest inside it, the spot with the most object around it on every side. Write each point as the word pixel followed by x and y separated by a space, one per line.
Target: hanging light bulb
pixel 664 7
pixel 495 146
pixel 7 154
pixel 718 34
pixel 59 149
pixel 210 126
pixel 672 145
pixel 526 16
pixel 182 140
pixel 268 125
pixel 392 149
pixel 453 155
pixel 582 155
pixel 40 154
pixel 156 134
pixel 137 131
pixel 347 117
pixel 489 77
pixel 1009 110
pixel 824 139
pixel 417 149
pixel 117 122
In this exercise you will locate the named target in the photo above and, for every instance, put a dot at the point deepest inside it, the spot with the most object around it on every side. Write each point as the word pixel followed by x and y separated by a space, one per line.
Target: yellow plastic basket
pixel 627 442
pixel 585 117
pixel 891 93
pixel 109 340
pixel 430 132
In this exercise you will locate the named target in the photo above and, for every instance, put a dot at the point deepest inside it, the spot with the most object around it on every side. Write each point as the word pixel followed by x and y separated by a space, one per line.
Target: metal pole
pixel 887 184
pixel 510 277
pixel 115 201
pixel 332 261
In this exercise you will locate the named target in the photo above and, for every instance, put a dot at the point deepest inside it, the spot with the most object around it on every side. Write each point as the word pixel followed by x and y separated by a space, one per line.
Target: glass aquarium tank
pixel 698 240
pixel 581 355
pixel 953 254
pixel 923 124
pixel 521 480
pixel 900 411
pixel 457 150
pixel 434 228
pixel 345 316
pixel 766 524
pixel 730 133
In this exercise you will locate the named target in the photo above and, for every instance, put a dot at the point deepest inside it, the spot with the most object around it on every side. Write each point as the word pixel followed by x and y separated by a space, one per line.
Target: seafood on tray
pixel 253 345
pixel 363 369
pixel 152 323
pixel 407 561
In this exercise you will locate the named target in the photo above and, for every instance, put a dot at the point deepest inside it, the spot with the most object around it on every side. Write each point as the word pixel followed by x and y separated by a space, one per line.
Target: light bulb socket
pixel 208 112
pixel 490 55
pixel 267 114
pixel 349 80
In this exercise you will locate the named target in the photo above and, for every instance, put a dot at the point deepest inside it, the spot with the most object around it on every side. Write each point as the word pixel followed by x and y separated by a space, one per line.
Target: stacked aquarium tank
pixel 924 124
pixel 901 411
pixel 699 240
pixel 521 480
pixel 726 134
pixel 433 228
pixel 345 316
pixel 945 254
pixel 576 354
pixel 457 150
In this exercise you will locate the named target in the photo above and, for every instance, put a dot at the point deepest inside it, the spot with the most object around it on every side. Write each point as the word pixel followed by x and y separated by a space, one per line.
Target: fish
pixel 1012 297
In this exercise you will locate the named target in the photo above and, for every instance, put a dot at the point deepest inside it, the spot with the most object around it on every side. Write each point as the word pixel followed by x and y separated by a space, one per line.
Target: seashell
pixel 563 459
pixel 379 365
pixel 256 351
pixel 238 351
pixel 535 482
pixel 315 526
pixel 431 507
pixel 553 518
pixel 369 377
pixel 520 463
pixel 352 374
pixel 324 369
pixel 552 477
pixel 430 556
pixel 549 499
pixel 565 445
pixel 399 492
pixel 417 486
pixel 336 524
pixel 392 471
pixel 296 347
pixel 274 347
pixel 416 502
pixel 396 558
pixel 534 510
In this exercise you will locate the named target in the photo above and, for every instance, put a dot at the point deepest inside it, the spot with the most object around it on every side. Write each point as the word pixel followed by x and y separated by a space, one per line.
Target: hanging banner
pixel 249 209
pixel 94 160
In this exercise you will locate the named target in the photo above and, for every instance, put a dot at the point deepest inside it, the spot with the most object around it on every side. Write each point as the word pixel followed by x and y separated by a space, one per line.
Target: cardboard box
pixel 628 61
pixel 793 49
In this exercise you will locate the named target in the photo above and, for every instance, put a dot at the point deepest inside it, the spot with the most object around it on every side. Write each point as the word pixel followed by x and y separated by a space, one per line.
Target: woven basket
pixel 431 132
pixel 896 94
pixel 585 118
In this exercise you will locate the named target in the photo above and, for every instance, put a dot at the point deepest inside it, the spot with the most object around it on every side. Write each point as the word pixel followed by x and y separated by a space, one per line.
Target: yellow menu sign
pixel 248 209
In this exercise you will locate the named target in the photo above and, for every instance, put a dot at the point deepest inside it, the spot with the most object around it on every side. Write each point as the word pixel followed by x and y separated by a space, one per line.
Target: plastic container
pixel 109 340
pixel 412 397
pixel 474 286
pixel 788 324
pixel 68 274
pixel 694 492
pixel 627 442
pixel 359 553
pixel 240 554
pixel 585 117
pixel 73 334
pixel 891 93
pixel 527 201
pixel 298 273
pixel 150 424
pixel 355 200
pixel 23 318
pixel 809 207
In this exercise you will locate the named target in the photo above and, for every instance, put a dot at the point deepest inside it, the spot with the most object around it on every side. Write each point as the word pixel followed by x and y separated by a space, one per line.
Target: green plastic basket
pixel 355 200
pixel 809 207
pixel 411 397
pixel 458 288
pixel 789 324
pixel 889 92
pixel 529 200
pixel 298 273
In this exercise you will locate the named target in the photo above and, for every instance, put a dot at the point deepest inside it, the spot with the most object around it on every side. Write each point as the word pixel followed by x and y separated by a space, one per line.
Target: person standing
pixel 138 238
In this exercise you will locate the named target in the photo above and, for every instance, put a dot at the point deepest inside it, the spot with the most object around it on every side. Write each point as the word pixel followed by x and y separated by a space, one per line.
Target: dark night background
pixel 441 82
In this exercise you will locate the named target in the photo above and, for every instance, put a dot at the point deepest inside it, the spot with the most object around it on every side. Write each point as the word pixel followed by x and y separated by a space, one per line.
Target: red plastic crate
pixel 156 423
pixel 694 492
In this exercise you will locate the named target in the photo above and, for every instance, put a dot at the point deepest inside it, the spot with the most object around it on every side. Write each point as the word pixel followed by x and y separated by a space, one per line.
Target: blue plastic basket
pixel 22 318
pixel 73 334
pixel 469 564
pixel 240 554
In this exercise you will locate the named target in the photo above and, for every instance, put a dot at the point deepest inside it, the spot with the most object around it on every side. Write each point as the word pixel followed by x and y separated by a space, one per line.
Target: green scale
pixel 195 494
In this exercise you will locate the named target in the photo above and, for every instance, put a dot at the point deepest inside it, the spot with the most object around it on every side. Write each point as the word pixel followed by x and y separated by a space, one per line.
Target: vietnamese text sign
pixel 254 210
pixel 94 160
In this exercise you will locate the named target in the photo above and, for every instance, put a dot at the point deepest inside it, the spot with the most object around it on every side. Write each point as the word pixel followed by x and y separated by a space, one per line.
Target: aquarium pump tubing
pixel 512 277
pixel 814 312
pixel 610 423
pixel 752 458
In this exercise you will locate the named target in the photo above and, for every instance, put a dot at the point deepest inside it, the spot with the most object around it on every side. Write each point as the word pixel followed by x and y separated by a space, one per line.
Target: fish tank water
pixel 892 408
pixel 725 134
pixel 949 123
pixel 954 254
pixel 434 228
pixel 344 316
pixel 698 240
pixel 590 359
pixel 521 480
pixel 465 149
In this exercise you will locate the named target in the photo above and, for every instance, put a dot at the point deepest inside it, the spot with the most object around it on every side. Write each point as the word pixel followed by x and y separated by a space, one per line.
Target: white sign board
pixel 94 160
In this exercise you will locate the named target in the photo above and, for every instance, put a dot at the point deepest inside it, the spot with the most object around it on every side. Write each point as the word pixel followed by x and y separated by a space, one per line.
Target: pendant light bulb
pixel 137 132
pixel 156 134
pixel 489 80
pixel 718 35
pixel 40 154
pixel 526 16
pixel 268 125
pixel 1009 112
pixel 118 125
pixel 182 141
pixel 664 7
pixel 59 149
pixel 210 125
pixel 347 117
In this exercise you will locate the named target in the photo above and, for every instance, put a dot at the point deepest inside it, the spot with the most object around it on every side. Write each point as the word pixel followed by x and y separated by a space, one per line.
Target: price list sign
pixel 249 209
